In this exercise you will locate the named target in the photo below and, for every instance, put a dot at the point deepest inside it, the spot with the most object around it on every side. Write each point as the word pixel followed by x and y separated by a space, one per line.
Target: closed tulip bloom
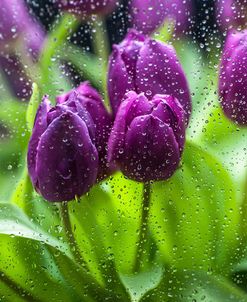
pixel 90 100
pixel 62 157
pixel 13 18
pixel 148 15
pixel 145 65
pixel 87 7
pixel 233 77
pixel 15 23
pixel 147 138
pixel 231 13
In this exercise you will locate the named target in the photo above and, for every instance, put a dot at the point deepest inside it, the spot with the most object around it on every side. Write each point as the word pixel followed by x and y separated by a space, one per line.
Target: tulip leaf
pixel 33 106
pixel 184 286
pixel 23 193
pixel 195 214
pixel 40 264
pixel 165 31
pixel 14 222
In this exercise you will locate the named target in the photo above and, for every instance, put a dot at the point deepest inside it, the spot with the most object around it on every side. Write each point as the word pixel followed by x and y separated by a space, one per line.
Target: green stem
pixel 143 234
pixel 70 235
pixel 102 49
pixel 53 43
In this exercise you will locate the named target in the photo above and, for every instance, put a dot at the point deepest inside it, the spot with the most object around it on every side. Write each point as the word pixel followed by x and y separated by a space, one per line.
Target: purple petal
pixel 40 125
pixel 67 160
pixel 160 72
pixel 151 151
pixel 117 74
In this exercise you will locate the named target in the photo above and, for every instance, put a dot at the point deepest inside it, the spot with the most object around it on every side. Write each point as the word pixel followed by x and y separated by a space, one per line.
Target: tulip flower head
pixel 90 99
pixel 145 65
pixel 231 13
pixel 233 77
pixel 62 156
pixel 147 138
pixel 148 15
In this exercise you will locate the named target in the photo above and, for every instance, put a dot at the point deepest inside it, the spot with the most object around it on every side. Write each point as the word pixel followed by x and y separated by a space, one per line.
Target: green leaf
pixel 33 106
pixel 41 264
pixel 165 31
pixel 194 215
pixel 14 222
pixel 23 193
pixel 138 285
pixel 184 286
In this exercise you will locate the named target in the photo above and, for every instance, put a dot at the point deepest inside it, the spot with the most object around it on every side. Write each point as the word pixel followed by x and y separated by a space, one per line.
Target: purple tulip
pixel 145 65
pixel 62 157
pixel 87 7
pixel 231 13
pixel 18 28
pixel 147 137
pixel 233 77
pixel 148 15
pixel 16 22
pixel 90 99
pixel 13 16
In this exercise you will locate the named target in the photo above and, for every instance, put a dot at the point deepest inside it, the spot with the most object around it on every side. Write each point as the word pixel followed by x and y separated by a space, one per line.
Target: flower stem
pixel 102 49
pixel 143 234
pixel 70 235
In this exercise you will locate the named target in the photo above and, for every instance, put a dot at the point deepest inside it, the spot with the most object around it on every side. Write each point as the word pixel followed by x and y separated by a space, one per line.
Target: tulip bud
pixel 91 101
pixel 87 7
pixel 231 13
pixel 13 16
pixel 147 137
pixel 148 15
pixel 62 157
pixel 15 22
pixel 145 65
pixel 233 77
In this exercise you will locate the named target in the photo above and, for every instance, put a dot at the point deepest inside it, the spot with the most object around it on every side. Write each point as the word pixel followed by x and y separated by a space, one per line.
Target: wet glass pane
pixel 123 150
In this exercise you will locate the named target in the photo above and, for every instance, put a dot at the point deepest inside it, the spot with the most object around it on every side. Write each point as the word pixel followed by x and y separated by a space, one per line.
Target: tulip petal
pixel 67 160
pixel 170 111
pixel 151 150
pixel 160 72
pixel 119 81
pixel 40 125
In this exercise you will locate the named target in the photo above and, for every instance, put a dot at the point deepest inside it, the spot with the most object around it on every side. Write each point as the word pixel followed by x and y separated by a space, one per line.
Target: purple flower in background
pixel 231 13
pixel 13 18
pixel 141 64
pixel 148 15
pixel 90 100
pixel 18 31
pixel 16 22
pixel 233 77
pixel 147 138
pixel 62 156
pixel 16 78
pixel 87 7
